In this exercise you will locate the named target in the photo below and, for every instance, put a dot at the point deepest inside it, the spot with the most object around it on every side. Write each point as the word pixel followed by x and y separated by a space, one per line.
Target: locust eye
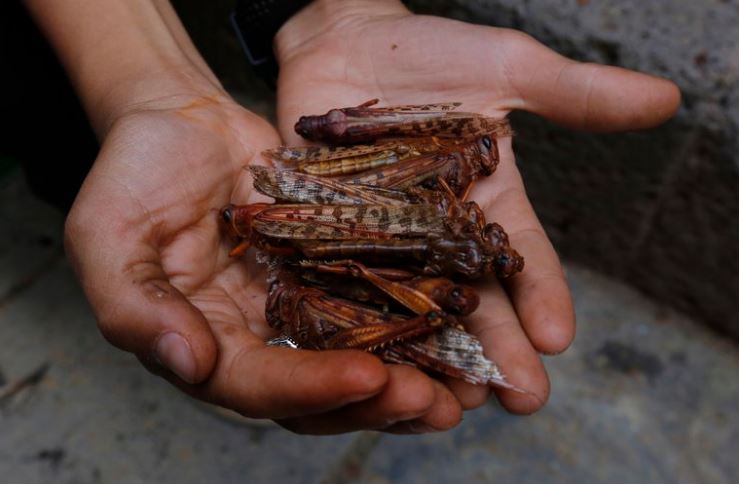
pixel 503 260
pixel 487 142
pixel 227 215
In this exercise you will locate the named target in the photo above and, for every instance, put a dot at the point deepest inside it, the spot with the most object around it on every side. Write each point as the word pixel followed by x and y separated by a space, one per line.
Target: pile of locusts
pixel 366 242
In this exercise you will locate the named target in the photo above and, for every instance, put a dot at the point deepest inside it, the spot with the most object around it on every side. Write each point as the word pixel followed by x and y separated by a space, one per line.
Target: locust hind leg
pixel 453 298
pixel 324 322
pixel 409 297
pixel 374 336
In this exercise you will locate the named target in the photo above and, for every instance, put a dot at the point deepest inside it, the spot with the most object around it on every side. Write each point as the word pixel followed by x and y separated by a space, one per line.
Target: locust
pixel 459 167
pixel 469 254
pixel 399 164
pixel 364 123
pixel 311 318
pixel 443 238
pixel 294 187
pixel 369 236
pixel 376 233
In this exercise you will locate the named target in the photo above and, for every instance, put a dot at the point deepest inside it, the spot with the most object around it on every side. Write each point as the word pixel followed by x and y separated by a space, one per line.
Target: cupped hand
pixel 144 238
pixel 342 53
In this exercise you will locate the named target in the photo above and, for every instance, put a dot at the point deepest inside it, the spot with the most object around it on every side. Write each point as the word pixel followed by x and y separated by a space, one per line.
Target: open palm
pixel 365 50
pixel 144 238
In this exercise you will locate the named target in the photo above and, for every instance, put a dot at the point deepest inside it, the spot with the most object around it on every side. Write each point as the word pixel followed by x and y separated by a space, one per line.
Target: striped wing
pixel 452 352
pixel 298 187
pixel 344 222
pixel 423 124
pixel 326 153
pixel 421 107
pixel 403 174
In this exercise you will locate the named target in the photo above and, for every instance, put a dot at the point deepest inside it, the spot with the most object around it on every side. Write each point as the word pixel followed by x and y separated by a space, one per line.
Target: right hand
pixel 143 236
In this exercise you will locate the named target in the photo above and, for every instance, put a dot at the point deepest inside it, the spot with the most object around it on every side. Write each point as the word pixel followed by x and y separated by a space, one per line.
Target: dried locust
pixel 398 201
pixel 310 318
pixel 445 237
pixel 365 123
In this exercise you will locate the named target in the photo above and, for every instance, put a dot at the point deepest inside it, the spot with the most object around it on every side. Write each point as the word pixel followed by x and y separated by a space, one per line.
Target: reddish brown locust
pixel 364 123
pixel 310 318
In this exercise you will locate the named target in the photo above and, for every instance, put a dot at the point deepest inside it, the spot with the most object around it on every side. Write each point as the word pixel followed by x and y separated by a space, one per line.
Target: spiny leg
pixel 411 298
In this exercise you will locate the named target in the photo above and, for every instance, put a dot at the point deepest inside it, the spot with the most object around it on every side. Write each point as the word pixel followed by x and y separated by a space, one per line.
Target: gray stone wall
pixel 657 209
pixel 660 208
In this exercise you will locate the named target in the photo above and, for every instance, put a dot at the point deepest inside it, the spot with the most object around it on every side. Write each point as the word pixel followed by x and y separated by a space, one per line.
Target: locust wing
pixel 452 352
pixel 327 153
pixel 296 187
pixel 347 222
pixel 404 174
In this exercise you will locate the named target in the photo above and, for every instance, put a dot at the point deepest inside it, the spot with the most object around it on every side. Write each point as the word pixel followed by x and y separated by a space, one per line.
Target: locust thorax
pixel 456 254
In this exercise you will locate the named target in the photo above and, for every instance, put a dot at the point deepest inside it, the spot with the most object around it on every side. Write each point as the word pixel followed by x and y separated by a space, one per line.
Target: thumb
pixel 137 309
pixel 584 95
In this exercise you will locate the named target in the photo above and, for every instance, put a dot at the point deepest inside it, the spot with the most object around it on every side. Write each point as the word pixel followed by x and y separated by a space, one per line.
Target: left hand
pixel 342 53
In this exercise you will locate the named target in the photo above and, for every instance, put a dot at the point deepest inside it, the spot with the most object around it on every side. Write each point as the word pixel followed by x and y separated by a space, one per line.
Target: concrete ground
pixel 643 395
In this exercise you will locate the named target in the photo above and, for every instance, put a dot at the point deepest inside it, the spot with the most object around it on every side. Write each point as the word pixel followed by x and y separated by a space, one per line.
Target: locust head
pixel 462 300
pixel 500 258
pixel 237 221
pixel 454 298
pixel 506 263
pixel 327 127
pixel 227 220
pixel 489 157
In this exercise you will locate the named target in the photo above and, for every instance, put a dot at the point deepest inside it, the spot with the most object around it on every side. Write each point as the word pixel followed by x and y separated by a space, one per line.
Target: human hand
pixel 144 238
pixel 342 53
pixel 143 233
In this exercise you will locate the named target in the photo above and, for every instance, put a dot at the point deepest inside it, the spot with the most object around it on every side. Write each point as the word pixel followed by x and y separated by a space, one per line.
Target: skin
pixel 143 233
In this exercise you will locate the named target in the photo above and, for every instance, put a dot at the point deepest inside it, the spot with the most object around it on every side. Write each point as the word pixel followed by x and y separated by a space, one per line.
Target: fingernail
pixel 173 351
pixel 420 427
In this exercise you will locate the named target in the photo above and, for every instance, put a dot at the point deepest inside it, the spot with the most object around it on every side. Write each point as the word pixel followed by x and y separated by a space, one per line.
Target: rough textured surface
pixel 656 209
pixel 643 395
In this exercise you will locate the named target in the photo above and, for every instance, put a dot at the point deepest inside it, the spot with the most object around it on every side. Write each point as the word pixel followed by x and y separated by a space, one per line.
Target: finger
pixel 540 293
pixel 468 395
pixel 409 394
pixel 443 415
pixel 496 325
pixel 137 308
pixel 269 382
pixel 583 95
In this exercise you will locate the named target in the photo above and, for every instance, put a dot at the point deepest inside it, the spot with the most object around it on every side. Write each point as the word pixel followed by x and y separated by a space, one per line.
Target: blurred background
pixel 647 224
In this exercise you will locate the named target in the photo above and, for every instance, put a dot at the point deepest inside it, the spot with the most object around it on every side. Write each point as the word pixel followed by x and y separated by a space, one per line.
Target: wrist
pixel 146 86
pixel 120 54
pixel 324 16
